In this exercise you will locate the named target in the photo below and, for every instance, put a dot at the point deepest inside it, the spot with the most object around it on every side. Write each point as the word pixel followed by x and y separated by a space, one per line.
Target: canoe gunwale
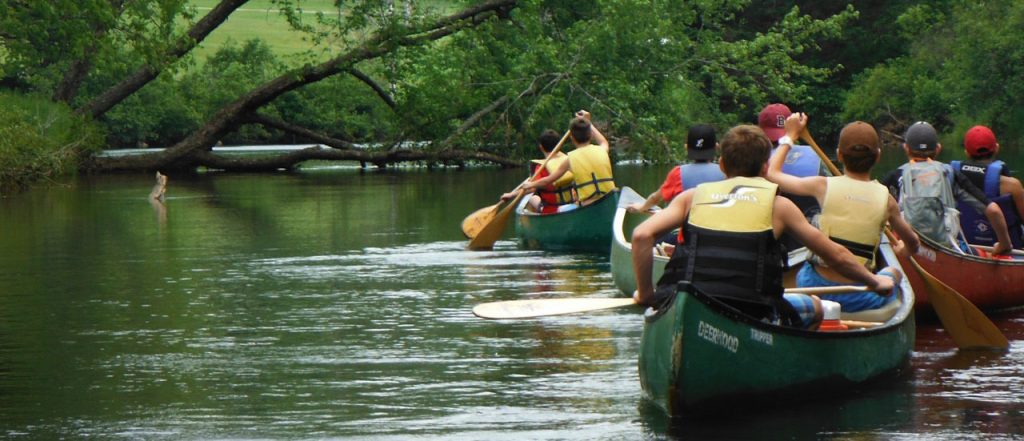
pixel 893 324
pixel 652 314
pixel 940 249
pixel 521 211
pixel 585 229
pixel 990 284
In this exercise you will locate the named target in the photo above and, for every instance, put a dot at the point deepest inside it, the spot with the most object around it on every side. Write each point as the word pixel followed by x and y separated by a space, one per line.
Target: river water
pixel 335 304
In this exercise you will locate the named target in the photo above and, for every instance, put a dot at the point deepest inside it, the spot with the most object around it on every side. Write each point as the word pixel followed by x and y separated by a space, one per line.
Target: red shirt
pixel 672 186
pixel 548 199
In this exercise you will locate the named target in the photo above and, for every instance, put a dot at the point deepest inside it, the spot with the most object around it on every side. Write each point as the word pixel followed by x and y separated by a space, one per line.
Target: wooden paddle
pixel 478 219
pixel 518 309
pixel 492 229
pixel 966 324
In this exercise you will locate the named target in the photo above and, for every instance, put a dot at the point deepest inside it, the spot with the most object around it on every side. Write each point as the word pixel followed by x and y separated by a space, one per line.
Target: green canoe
pixel 583 229
pixel 622 251
pixel 698 354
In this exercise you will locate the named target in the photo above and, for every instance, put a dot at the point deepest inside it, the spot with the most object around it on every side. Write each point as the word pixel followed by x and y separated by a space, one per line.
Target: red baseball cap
pixel 979 141
pixel 773 120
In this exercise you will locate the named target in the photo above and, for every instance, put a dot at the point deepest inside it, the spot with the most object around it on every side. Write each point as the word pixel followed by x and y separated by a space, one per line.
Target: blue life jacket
pixel 802 161
pixel 692 175
pixel 975 225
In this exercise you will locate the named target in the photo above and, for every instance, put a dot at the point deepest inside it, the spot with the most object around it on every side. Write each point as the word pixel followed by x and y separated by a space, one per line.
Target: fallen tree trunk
pixel 195 148
pixel 381 159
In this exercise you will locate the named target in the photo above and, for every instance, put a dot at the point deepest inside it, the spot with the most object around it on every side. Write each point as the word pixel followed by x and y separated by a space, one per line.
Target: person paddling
pixel 854 210
pixel 589 163
pixel 992 176
pixel 547 199
pixel 731 249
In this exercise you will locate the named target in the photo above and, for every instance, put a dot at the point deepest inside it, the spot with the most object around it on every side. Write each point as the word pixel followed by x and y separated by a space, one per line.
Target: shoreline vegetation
pixel 473 82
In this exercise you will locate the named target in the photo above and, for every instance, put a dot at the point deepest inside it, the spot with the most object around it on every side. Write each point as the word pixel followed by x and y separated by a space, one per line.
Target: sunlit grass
pixel 261 19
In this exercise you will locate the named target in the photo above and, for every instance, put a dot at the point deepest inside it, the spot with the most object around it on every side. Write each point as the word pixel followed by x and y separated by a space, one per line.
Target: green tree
pixel 648 68
pixel 39 140
pixel 964 67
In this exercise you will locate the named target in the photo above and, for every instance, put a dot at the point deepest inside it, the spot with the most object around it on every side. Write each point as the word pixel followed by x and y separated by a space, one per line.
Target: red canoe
pixel 988 283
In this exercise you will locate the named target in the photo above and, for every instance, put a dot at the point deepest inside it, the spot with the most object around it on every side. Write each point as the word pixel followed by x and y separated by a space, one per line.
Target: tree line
pixel 475 81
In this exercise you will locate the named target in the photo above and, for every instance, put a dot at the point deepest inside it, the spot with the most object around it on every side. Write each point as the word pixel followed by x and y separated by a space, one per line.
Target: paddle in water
pixel 492 229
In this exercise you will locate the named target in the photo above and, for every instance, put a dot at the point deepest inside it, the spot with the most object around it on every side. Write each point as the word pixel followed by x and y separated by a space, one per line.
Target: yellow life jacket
pixel 592 172
pixel 730 250
pixel 561 191
pixel 739 205
pixel 853 214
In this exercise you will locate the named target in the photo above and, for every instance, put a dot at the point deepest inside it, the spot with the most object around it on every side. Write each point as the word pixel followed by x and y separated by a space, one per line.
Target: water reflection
pixel 337 305
pixel 876 412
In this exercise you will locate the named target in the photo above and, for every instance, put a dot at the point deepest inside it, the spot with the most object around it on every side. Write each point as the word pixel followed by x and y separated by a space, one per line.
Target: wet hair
pixel 580 129
pixel 745 151
pixel 549 139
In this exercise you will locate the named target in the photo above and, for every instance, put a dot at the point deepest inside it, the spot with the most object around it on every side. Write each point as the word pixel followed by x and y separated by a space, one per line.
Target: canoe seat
pixel 882 314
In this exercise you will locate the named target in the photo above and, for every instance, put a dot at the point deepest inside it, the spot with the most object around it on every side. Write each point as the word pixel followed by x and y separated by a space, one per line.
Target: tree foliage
pixel 40 140
pixel 486 76
pixel 648 69
pixel 964 67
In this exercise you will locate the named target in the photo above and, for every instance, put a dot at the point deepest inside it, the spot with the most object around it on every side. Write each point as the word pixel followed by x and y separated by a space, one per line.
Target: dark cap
pixel 772 120
pixel 979 141
pixel 921 137
pixel 858 133
pixel 700 143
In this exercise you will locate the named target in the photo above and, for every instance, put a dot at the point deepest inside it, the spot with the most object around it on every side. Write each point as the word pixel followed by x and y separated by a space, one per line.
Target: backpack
pixel 927 202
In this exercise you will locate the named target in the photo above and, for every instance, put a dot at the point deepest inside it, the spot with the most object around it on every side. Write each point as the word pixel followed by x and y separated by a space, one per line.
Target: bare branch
pixel 299 130
pixel 383 94
pixel 473 119
pixel 114 95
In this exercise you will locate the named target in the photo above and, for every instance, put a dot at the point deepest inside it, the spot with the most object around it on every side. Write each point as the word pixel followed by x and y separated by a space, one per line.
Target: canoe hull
pixel 695 354
pixel 988 283
pixel 583 229
pixel 621 253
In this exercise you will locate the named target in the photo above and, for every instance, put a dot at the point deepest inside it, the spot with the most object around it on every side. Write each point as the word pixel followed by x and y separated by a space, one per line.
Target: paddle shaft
pixel 550 155
pixel 547 158
pixel 966 324
pixel 491 232
pixel 838 289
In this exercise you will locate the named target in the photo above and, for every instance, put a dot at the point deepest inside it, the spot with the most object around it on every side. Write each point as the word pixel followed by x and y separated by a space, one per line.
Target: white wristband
pixel 785 139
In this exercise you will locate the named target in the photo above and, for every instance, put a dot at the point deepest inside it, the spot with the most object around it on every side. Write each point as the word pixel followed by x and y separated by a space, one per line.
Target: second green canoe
pixel 583 229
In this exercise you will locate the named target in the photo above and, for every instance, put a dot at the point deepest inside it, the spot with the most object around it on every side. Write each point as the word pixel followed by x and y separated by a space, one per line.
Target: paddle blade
pixel 517 309
pixel 491 232
pixel 966 324
pixel 478 219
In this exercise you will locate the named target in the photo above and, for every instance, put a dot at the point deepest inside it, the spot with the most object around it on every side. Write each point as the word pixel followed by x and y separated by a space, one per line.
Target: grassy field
pixel 259 19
